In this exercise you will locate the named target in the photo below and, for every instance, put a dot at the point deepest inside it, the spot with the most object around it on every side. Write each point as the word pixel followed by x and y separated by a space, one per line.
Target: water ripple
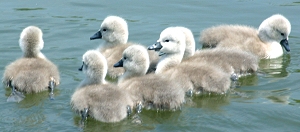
pixel 28 9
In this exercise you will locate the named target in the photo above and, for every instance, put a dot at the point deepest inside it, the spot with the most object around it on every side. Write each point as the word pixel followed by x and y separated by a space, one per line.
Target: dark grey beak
pixel 157 46
pixel 285 44
pixel 80 69
pixel 97 35
pixel 119 64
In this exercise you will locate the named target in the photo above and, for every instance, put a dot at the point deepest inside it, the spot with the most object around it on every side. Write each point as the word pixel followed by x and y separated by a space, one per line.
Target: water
pixel 266 101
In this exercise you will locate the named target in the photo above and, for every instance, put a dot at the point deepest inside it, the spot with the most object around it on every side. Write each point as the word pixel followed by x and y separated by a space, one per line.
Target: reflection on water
pixel 275 68
pixel 249 80
pixel 252 95
pixel 211 102
pixel 92 125
pixel 265 84
pixel 279 99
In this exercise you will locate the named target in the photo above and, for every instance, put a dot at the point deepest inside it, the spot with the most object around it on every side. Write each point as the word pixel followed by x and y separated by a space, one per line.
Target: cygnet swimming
pixel 33 72
pixel 191 76
pixel 114 32
pixel 266 41
pixel 95 97
pixel 153 91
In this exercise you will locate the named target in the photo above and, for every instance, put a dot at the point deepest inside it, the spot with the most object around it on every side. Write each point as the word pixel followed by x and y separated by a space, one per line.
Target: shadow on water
pixel 34 99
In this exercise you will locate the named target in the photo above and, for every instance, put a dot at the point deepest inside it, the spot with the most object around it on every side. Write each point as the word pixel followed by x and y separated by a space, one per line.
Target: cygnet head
pixel 171 41
pixel 189 41
pixel 275 28
pixel 94 66
pixel 31 41
pixel 135 60
pixel 113 30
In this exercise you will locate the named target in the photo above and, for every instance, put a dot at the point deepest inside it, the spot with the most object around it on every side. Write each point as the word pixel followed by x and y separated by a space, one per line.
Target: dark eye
pixel 125 58
pixel 167 40
pixel 282 34
pixel 104 29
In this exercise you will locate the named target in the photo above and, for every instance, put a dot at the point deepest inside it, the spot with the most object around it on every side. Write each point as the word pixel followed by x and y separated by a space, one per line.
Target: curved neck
pixel 92 81
pixel 168 61
pixel 106 45
pixel 128 74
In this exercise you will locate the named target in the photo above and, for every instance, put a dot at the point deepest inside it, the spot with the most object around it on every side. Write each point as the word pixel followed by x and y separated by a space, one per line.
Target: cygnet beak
pixel 80 69
pixel 285 44
pixel 119 64
pixel 157 46
pixel 97 35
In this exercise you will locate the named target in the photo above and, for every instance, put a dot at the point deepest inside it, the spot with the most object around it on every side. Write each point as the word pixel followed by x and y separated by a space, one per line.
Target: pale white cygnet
pixel 33 72
pixel 190 47
pixel 266 41
pixel 95 97
pixel 151 90
pixel 114 32
pixel 171 46
pixel 190 76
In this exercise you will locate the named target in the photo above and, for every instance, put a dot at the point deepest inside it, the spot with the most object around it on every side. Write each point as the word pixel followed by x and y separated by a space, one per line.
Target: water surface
pixel 266 101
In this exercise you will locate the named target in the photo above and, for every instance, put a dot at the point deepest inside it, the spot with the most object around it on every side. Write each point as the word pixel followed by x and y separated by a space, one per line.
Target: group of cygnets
pixel 158 77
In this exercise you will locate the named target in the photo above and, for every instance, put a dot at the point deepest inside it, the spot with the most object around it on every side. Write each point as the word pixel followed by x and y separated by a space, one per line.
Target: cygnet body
pixel 235 62
pixel 95 97
pixel 114 32
pixel 266 41
pixel 33 72
pixel 151 90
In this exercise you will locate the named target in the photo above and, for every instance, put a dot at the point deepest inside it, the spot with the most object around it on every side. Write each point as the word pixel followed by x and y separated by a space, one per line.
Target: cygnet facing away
pixel 191 76
pixel 114 32
pixel 266 41
pixel 95 97
pixel 154 91
pixel 33 72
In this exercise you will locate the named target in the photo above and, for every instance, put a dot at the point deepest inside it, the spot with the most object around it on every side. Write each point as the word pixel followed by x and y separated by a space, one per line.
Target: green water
pixel 266 101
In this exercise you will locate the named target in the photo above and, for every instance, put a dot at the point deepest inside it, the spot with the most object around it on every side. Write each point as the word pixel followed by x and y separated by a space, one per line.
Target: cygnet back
pixel 33 72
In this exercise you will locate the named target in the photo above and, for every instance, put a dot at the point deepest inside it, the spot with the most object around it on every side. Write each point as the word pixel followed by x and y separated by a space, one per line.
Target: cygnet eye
pixel 124 58
pixel 167 40
pixel 104 29
pixel 282 34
